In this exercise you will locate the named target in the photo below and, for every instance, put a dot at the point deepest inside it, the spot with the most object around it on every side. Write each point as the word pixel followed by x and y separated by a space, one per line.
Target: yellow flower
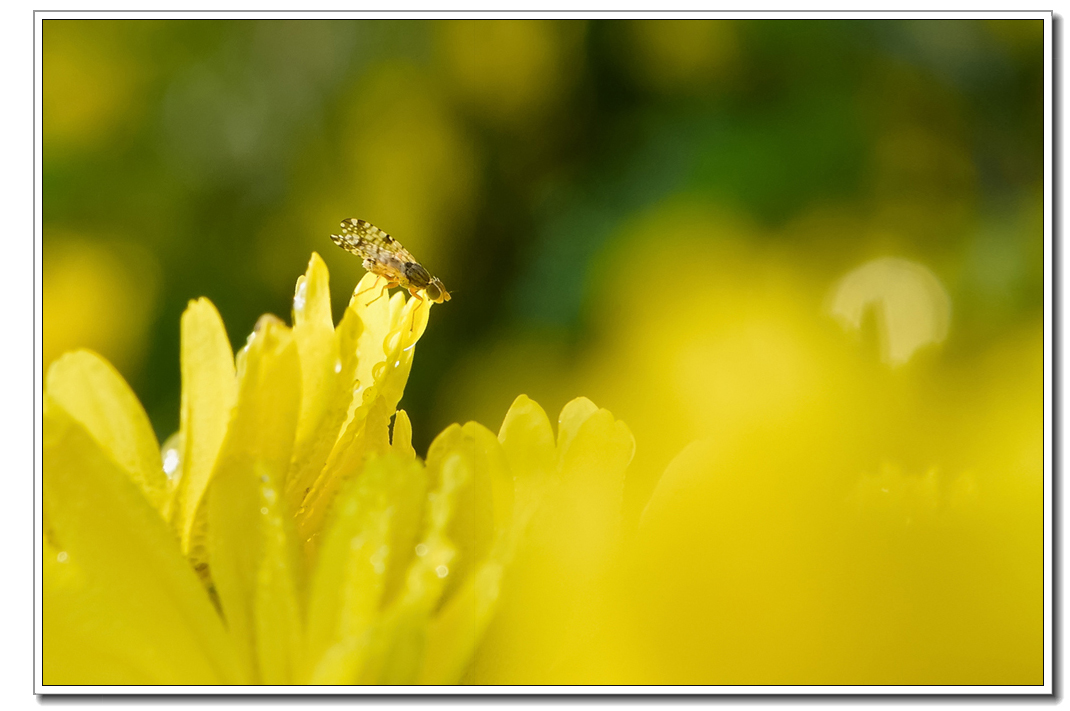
pixel 287 533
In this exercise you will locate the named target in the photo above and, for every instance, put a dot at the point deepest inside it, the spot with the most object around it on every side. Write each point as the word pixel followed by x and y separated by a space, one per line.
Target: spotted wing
pixel 369 242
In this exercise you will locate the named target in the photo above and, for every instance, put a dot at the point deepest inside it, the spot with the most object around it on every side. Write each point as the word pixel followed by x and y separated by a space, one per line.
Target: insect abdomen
pixel 416 274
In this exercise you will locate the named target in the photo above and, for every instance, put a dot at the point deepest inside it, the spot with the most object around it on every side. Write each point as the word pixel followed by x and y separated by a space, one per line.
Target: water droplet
pixel 264 478
pixel 397 363
pixel 62 557
pixel 299 297
pixel 170 463
pixel 264 510
pixel 421 549
pixel 338 366
pixel 377 370
pixel 442 571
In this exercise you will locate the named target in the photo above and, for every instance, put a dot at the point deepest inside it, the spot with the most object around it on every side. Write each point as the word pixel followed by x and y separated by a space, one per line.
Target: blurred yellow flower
pixel 799 511
pixel 512 73
pixel 287 533
pixel 681 55
pixel 85 280
pixel 913 308
pixel 93 88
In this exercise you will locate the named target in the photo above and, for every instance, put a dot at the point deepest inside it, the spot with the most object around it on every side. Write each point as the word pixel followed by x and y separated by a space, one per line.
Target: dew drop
pixel 170 463
pixel 442 571
pixel 338 366
pixel 421 549
pixel 264 478
pixel 299 297
pixel 62 557
pixel 264 510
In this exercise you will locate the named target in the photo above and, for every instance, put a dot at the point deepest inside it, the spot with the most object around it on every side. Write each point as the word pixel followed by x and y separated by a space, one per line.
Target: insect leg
pixel 373 285
pixel 416 295
pixel 386 288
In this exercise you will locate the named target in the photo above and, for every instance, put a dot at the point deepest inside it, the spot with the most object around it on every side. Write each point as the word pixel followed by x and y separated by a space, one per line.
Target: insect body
pixel 384 256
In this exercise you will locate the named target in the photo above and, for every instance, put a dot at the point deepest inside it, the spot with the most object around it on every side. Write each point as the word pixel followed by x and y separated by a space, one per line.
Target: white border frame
pixel 1046 688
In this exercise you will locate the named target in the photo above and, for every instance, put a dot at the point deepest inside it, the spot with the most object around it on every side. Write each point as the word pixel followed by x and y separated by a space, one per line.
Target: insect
pixel 384 256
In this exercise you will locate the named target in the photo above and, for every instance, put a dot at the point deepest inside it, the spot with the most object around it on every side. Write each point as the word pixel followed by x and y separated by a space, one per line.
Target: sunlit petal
pixel 128 596
pixel 90 390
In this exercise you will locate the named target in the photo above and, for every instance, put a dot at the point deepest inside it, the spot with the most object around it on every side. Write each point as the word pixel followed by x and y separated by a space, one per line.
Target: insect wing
pixel 367 240
pixel 359 230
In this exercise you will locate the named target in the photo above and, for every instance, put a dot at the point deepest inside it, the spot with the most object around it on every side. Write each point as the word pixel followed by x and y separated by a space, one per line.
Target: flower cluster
pixel 288 533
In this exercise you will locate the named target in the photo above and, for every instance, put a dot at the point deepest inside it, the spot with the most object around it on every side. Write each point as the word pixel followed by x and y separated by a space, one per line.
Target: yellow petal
pixel 400 346
pixel 573 415
pixel 528 442
pixel 312 297
pixel 208 393
pixel 368 543
pixel 308 463
pixel 396 645
pixel 580 522
pixel 454 634
pixel 401 436
pixel 367 429
pixel 132 600
pixel 70 629
pixel 473 533
pixel 374 312
pixel 592 474
pixel 321 363
pixel 367 434
pixel 448 442
pixel 278 612
pixel 552 601
pixel 364 352
pixel 250 470
pixel 502 488
pixel 93 392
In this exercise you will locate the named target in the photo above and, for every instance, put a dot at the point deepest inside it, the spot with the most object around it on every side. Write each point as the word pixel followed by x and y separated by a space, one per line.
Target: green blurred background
pixel 189 158
pixel 659 215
